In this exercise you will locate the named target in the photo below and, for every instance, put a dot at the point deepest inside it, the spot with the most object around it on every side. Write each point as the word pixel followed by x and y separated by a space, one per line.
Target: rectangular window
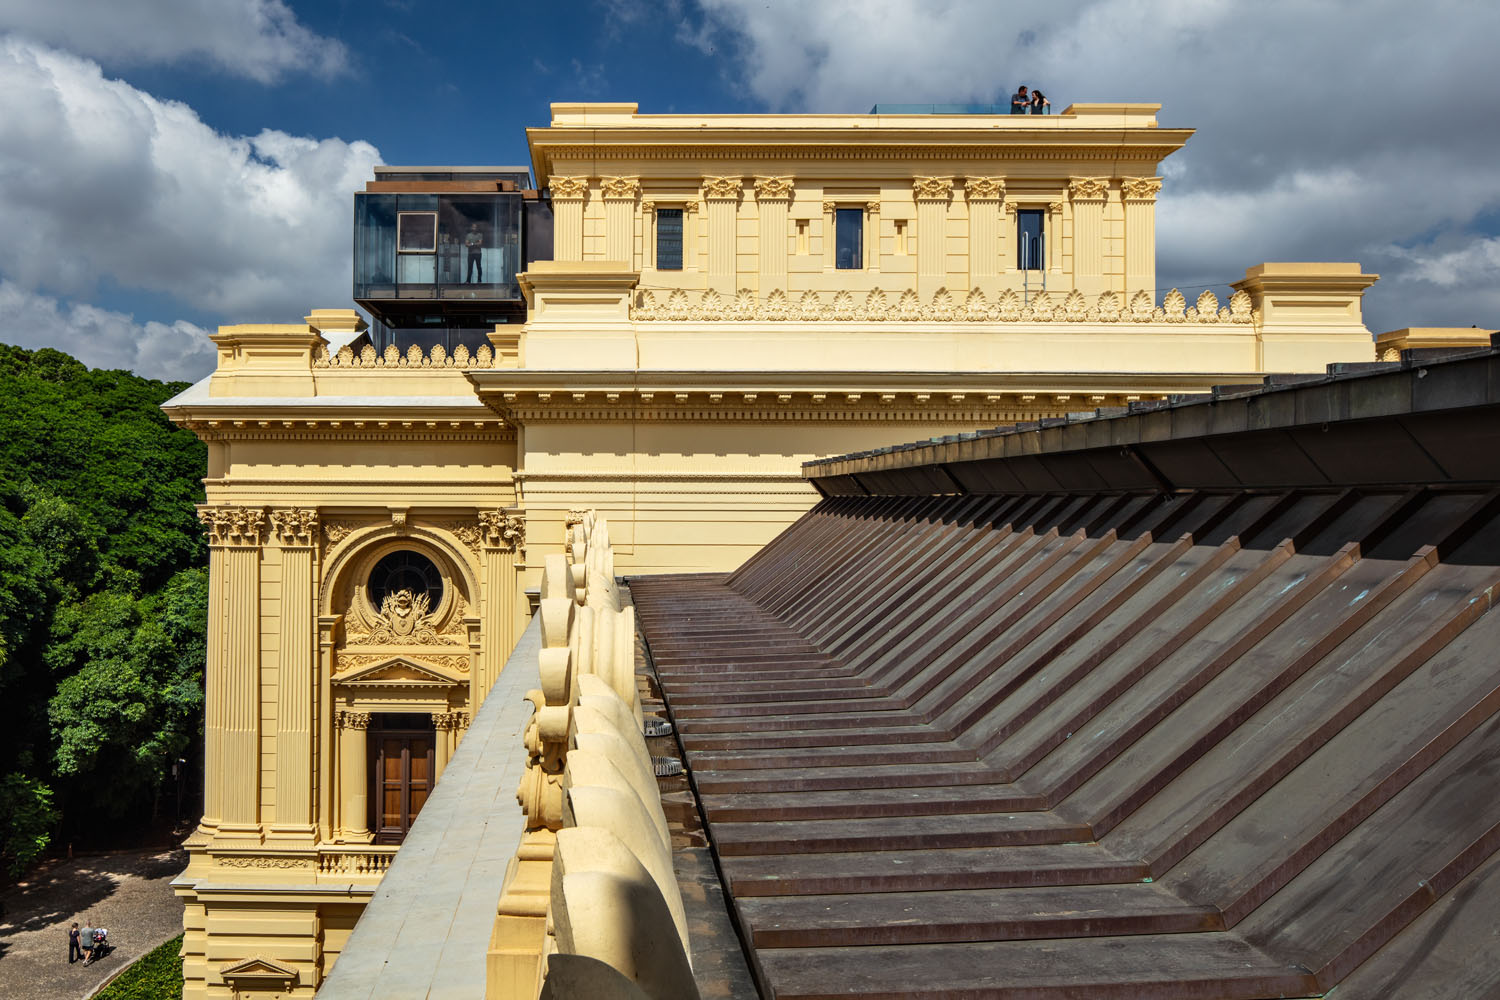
pixel 1031 240
pixel 669 239
pixel 849 245
pixel 416 232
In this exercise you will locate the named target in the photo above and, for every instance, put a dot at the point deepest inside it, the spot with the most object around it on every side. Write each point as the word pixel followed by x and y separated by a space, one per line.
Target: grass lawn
pixel 154 976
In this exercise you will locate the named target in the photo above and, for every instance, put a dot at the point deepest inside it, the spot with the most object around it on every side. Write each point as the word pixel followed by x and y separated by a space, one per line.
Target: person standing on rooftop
pixel 1039 103
pixel 1019 101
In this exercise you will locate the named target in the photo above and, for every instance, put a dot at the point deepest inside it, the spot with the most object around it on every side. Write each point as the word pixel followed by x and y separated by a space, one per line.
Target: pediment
pixel 258 968
pixel 398 671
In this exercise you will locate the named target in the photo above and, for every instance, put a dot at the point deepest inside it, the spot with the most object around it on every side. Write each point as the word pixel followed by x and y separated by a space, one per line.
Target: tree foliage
pixel 102 596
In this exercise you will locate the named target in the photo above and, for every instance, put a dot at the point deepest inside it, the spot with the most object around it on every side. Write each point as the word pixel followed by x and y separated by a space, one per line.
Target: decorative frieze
pixel 773 188
pixel 1088 188
pixel 568 188
pixel 877 306
pixel 234 526
pixel 932 188
pixel 295 526
pixel 1140 188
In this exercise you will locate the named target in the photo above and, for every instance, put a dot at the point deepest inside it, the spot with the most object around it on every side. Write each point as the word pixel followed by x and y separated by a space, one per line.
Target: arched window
pixel 406 570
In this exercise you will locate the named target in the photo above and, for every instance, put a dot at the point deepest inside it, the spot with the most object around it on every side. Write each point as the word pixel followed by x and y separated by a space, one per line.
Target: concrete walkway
pixel 127 892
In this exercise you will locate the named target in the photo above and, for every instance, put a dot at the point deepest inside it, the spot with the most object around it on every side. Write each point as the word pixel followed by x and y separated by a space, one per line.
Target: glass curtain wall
pixel 425 246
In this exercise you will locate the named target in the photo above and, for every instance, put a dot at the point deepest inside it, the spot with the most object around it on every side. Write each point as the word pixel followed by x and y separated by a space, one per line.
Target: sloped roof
pixel 1128 739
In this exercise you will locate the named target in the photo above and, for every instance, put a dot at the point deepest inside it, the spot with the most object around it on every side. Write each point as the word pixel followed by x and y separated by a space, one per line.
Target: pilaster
pixel 773 197
pixel 296 530
pixel 232 673
pixel 502 539
pixel 568 194
pixel 354 777
pixel 1088 195
pixel 619 195
pixel 1139 195
pixel 721 196
pixel 932 196
pixel 985 196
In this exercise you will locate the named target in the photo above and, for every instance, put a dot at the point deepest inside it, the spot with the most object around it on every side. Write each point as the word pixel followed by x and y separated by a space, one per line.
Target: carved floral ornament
pixel 984 188
pixel 502 530
pixel 234 526
pixel 773 188
pixel 932 188
pixel 568 188
pixel 722 188
pixel 354 720
pixel 1088 188
pixel 620 188
pixel 944 306
pixel 1140 188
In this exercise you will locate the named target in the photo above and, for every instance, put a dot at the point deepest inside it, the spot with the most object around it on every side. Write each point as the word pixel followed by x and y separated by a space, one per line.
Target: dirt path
pixel 127 892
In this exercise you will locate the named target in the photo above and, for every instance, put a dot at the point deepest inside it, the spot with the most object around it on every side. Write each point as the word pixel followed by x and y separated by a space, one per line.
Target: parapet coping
pixel 426 931
pixel 1424 380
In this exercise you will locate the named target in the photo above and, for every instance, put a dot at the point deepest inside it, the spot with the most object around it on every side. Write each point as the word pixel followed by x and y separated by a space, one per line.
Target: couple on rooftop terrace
pixel 1035 103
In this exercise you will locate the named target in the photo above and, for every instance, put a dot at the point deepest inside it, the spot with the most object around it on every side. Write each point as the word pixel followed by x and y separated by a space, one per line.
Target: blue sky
pixel 170 165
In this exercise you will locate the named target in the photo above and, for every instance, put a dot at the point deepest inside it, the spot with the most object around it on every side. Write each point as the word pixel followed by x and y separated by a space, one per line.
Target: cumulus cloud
pixel 104 339
pixel 1331 131
pixel 104 181
pixel 258 39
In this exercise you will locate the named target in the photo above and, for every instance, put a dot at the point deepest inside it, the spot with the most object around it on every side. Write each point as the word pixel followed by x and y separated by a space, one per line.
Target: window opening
pixel 1031 240
pixel 410 573
pixel 849 237
pixel 669 239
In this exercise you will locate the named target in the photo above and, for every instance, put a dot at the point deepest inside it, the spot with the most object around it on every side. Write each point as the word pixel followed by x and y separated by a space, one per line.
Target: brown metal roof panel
pixel 1465 447
pixel 865 803
pixel 1206 966
pixel 931 870
pixel 1451 950
pixel 793 777
pixel 898 834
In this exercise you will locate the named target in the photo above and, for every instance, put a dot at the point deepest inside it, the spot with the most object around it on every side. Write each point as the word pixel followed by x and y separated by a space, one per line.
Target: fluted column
pixel 354 776
pixel 773 196
pixel 502 538
pixel 297 532
pixel 932 195
pixel 722 198
pixel 568 194
pixel 620 194
pixel 1139 194
pixel 232 672
pixel 984 196
pixel 1088 195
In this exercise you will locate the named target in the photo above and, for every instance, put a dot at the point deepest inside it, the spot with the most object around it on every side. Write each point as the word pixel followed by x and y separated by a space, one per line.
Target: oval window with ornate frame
pixel 406 576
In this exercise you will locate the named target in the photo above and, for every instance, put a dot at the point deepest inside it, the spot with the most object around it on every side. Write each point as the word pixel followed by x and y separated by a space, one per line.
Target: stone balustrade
pixel 590 895
pixel 412 358
pixel 371 861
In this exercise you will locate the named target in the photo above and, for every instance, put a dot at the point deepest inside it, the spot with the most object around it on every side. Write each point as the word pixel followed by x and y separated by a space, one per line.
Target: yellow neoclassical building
pixel 702 303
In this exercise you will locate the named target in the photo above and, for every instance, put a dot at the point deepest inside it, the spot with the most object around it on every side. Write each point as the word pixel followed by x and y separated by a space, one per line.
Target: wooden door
pixel 403 779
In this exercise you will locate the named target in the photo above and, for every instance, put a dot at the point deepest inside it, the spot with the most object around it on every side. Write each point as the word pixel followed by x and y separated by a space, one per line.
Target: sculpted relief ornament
pixel 295 526
pixel 984 188
pixel 502 531
pixel 932 188
pixel 1088 188
pixel 1140 188
pixel 620 188
pixel 568 188
pixel 722 188
pixel 234 525
pixel 773 188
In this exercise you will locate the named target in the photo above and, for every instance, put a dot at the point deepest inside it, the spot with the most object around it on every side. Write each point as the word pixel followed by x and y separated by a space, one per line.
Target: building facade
pixel 727 297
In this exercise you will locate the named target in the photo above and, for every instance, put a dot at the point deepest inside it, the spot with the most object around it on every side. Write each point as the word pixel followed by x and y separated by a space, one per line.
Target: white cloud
pixel 258 39
pixel 1328 131
pixel 99 180
pixel 104 339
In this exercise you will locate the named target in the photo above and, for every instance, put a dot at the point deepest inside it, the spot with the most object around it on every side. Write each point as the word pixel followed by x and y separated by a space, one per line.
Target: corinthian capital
pixel 722 188
pixel 1140 188
pixel 1088 188
pixel 234 526
pixel 620 188
pixel 295 526
pixel 773 188
pixel 984 188
pixel 932 188
pixel 502 530
pixel 568 188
